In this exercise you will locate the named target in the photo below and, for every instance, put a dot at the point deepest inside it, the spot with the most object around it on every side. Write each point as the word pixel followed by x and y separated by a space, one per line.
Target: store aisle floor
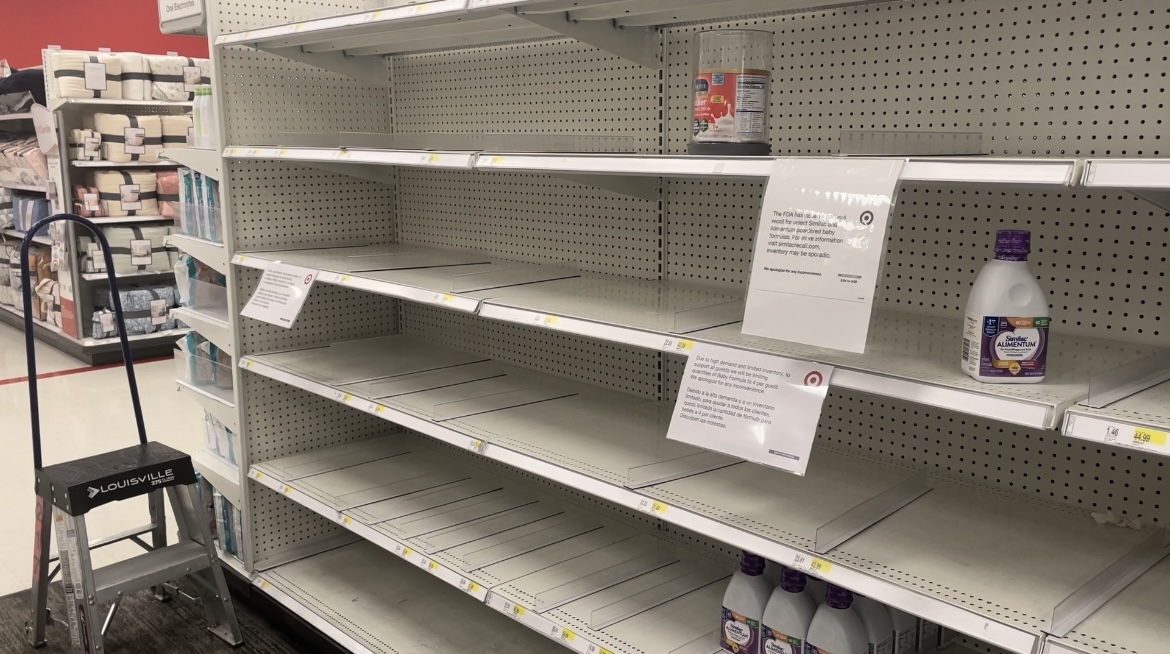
pixel 84 411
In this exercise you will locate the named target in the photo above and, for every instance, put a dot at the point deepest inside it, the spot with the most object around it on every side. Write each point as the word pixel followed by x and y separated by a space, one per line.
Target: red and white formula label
pixel 731 107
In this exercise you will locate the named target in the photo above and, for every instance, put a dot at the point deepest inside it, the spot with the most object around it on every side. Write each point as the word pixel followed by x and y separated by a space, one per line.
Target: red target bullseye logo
pixel 814 378
pixel 308 278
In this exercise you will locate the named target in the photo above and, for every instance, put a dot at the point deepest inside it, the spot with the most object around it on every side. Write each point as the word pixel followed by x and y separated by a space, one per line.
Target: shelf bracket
pixel 863 516
pixel 636 187
pixel 366 69
pixel 1160 199
pixel 1123 381
pixel 1085 601
pixel 637 44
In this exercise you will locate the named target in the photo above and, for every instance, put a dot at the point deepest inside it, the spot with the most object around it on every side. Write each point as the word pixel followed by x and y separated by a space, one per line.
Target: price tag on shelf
pixel 468 585
pixel 1053 647
pixel 288 490
pixel 1143 437
pixel 647 505
pixel 343 397
pixel 751 405
pixel 475 445
pixel 257 475
pixel 679 345
pixel 433 566
pixel 346 520
pixel 597 649
pixel 812 564
pixel 515 610
pixel 543 320
pixel 442 298
pixel 818 248
pixel 343 154
pixel 563 634
pixel 281 294
pixel 377 15
pixel 1103 430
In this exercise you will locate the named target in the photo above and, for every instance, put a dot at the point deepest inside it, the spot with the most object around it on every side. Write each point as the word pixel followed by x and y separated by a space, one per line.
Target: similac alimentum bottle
pixel 790 611
pixel 836 628
pixel 879 629
pixel 1005 337
pixel 743 606
pixel 906 630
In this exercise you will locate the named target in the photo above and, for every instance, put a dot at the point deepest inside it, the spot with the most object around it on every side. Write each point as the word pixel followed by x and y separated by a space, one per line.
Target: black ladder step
pixel 149 570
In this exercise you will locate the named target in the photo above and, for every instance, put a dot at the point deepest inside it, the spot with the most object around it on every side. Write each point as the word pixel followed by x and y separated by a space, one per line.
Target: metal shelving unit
pixel 526 317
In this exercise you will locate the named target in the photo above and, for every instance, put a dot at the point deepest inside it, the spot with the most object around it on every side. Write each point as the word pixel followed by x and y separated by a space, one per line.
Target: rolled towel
pixel 129 138
pixel 168 193
pixel 175 78
pixel 135 76
pixel 85 145
pixel 126 193
pixel 177 131
pixel 87 74
pixel 87 201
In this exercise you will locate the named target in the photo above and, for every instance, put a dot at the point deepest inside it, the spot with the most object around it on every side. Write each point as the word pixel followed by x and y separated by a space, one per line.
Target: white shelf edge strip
pixel 384 16
pixel 1056 172
pixel 1152 173
pixel 1114 430
pixel 938 611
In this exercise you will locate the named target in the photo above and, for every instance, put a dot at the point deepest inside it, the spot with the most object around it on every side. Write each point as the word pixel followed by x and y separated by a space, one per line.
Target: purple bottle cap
pixel 839 598
pixel 1013 244
pixel 793 581
pixel 752 564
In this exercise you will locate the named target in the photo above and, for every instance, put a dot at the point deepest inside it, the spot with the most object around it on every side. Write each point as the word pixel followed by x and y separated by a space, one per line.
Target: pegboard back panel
pixel 240 15
pixel 535 218
pixel 275 206
pixel 1100 257
pixel 282 421
pixel 267 95
pixel 537 87
pixel 618 367
pixel 1060 79
pixel 331 314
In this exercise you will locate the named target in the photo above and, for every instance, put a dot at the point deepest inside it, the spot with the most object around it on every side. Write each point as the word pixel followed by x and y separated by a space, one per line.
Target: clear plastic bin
pixel 213 376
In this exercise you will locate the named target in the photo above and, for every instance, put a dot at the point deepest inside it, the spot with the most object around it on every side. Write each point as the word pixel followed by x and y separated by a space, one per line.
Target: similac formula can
pixel 731 93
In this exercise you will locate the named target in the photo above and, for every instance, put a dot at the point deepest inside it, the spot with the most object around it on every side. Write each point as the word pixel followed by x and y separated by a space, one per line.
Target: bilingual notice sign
pixel 819 245
pixel 281 293
pixel 754 406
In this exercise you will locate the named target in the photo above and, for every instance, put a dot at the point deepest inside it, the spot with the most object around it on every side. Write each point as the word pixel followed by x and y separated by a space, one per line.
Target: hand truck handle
pixel 30 343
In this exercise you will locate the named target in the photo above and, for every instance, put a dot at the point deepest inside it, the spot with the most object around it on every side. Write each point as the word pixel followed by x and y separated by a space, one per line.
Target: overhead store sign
pixel 819 246
pixel 754 406
pixel 181 16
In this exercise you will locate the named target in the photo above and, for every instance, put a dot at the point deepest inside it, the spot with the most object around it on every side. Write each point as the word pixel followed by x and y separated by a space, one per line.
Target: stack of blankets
pixel 146 310
pixel 27 210
pixel 134 248
pixel 123 138
pixel 22 162
pixel 127 75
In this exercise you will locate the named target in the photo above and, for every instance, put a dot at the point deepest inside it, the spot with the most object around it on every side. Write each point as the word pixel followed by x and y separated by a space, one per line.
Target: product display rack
pixel 553 303
pixel 68 114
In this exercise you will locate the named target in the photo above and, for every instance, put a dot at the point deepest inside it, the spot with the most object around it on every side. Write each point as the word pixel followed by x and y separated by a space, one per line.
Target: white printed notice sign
pixel 819 245
pixel 754 406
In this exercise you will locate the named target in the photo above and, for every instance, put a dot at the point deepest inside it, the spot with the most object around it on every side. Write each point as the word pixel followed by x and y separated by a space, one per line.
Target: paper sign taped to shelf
pixel 281 293
pixel 754 406
pixel 818 251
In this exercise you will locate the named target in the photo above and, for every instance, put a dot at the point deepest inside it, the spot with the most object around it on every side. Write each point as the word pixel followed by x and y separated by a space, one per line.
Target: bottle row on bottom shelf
pixel 1006 568
pixel 594 577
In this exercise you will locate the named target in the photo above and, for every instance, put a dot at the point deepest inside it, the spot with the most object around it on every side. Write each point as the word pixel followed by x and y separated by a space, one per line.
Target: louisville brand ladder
pixel 66 492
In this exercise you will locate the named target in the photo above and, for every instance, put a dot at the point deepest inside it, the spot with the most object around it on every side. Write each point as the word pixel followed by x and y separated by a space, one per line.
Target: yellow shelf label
pixel 1143 436
pixel 568 636
pixel 686 345
pixel 288 490
pixel 345 520
pixel 434 158
pixel 433 567
pixel 820 566
pixel 406 552
pixel 259 475
pixel 473 587
pixel 497 160
pixel 344 278
pixel 518 610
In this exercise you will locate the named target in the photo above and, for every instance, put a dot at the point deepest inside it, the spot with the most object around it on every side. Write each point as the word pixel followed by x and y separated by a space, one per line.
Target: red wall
pixel 27 26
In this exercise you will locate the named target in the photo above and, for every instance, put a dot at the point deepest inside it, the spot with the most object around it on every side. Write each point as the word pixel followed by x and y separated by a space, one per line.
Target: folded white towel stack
pixel 135 76
pixel 176 130
pixel 87 75
pixel 126 193
pixel 175 78
pixel 129 138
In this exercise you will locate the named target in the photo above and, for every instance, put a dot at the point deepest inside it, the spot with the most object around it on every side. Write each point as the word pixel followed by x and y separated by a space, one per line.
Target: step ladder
pixel 66 492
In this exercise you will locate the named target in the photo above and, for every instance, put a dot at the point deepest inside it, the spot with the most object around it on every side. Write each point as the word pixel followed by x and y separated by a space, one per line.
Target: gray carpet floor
pixel 146 626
